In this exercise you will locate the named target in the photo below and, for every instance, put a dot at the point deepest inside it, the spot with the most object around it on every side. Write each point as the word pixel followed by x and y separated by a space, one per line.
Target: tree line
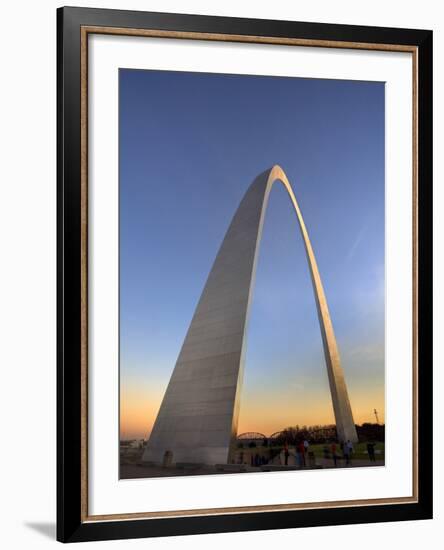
pixel 326 433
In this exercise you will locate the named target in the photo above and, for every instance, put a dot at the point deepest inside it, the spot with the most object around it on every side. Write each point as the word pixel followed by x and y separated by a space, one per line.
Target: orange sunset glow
pixel 264 412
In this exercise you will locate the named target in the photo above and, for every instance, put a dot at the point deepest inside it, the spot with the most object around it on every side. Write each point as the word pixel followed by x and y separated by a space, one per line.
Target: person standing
pixel 298 455
pixel 346 453
pixel 371 451
pixel 301 449
pixel 333 453
pixel 349 446
pixel 286 453
pixel 306 445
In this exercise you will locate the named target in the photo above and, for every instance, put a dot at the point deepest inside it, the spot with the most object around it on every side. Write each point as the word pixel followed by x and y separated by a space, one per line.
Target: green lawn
pixel 359 450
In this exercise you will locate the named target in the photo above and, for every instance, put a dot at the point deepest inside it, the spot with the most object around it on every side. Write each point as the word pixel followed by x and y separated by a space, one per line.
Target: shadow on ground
pixel 46 529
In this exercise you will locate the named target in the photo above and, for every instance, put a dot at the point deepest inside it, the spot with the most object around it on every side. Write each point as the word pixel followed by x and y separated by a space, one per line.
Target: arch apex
pixel 276 171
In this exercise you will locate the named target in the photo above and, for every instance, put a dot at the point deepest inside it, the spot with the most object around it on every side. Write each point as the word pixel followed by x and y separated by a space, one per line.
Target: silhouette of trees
pixel 325 433
pixel 371 432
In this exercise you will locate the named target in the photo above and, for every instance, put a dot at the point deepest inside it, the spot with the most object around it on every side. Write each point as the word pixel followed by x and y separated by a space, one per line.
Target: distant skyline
pixel 190 145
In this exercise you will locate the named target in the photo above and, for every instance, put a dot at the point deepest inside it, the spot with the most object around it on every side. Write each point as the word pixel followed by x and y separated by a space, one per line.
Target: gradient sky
pixel 190 145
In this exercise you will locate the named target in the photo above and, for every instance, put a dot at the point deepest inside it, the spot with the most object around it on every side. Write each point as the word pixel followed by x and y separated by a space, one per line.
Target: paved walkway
pixel 139 470
pixel 355 463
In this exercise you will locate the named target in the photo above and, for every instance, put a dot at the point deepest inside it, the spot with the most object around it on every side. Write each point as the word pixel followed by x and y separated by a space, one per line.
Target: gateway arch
pixel 197 420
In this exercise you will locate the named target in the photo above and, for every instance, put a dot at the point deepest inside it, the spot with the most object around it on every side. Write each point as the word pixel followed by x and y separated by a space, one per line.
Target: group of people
pixel 302 449
pixel 300 454
pixel 258 460
pixel 334 450
pixel 346 449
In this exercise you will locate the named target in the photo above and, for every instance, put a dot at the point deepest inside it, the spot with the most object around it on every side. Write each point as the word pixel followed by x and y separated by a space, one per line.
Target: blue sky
pixel 190 145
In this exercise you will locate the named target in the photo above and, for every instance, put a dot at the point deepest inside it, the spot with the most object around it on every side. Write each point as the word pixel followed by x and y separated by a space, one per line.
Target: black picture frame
pixel 71 524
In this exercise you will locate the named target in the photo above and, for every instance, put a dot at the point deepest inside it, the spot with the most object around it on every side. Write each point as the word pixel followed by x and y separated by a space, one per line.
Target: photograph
pixel 251 274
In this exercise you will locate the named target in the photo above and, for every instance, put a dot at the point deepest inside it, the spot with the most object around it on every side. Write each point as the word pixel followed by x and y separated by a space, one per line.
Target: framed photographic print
pixel 244 274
